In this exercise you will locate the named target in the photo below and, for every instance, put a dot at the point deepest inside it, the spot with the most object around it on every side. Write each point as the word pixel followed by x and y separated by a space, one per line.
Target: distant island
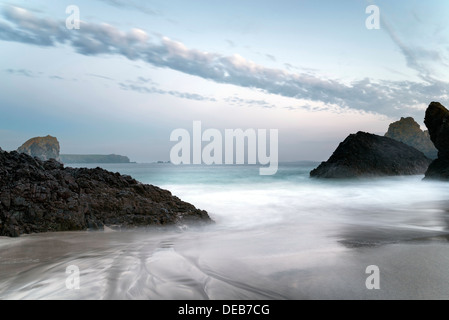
pixel 93 158
pixel 46 148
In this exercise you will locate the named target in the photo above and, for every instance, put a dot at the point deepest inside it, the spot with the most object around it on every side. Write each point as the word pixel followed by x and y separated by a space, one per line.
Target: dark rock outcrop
pixel 437 121
pixel 44 148
pixel 408 131
pixel 368 155
pixel 37 196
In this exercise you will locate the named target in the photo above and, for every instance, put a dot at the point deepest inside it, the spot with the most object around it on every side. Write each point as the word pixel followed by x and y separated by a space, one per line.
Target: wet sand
pixel 210 264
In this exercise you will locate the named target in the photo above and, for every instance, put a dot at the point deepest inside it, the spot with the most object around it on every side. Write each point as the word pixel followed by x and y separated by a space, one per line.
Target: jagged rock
pixel 44 148
pixel 408 131
pixel 437 121
pixel 368 155
pixel 37 196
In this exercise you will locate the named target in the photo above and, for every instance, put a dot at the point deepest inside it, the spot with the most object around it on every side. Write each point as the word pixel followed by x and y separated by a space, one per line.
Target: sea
pixel 280 237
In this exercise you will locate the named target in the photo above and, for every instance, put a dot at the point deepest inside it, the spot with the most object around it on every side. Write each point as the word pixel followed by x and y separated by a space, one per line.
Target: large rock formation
pixel 37 196
pixel 44 148
pixel 437 121
pixel 368 155
pixel 408 131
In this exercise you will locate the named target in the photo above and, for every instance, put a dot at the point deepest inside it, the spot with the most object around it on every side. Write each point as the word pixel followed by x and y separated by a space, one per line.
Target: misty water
pixel 275 237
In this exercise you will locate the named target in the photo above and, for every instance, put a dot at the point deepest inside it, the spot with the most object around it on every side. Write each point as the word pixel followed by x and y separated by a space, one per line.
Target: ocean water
pixel 275 237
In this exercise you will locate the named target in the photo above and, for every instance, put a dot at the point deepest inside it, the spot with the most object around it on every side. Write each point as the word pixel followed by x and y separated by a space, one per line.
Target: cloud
pixel 145 80
pixel 236 101
pixel 99 76
pixel 31 74
pixel 133 5
pixel 230 43
pixel 56 78
pixel 20 72
pixel 271 57
pixel 152 90
pixel 390 98
pixel 417 58
pixel 30 29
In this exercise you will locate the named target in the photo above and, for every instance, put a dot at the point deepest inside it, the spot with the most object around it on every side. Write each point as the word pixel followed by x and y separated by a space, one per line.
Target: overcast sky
pixel 137 70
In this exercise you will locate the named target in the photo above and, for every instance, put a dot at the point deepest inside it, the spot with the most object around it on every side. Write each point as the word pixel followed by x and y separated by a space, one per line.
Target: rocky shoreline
pixel 399 152
pixel 44 196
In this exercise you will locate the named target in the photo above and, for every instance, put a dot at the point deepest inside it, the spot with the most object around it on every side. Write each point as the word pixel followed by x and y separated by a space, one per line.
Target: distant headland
pixel 46 148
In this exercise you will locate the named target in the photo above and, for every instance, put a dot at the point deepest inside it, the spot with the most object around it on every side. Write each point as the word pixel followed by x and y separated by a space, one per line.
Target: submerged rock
pixel 408 131
pixel 437 121
pixel 44 148
pixel 37 196
pixel 368 155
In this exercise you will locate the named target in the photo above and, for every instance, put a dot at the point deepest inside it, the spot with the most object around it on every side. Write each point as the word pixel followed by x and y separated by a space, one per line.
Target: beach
pixel 286 238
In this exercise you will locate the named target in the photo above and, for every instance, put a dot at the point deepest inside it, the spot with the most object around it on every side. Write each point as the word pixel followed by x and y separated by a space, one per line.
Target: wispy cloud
pixel 21 72
pixel 391 98
pixel 237 101
pixel 99 76
pixel 417 58
pixel 145 80
pixel 230 43
pixel 133 5
pixel 271 57
pixel 155 90
pixel 234 100
pixel 31 74
pixel 56 78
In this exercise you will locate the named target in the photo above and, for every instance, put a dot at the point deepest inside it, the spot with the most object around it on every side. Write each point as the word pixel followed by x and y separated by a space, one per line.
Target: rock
pixel 44 148
pixel 437 121
pixel 368 155
pixel 438 170
pixel 408 131
pixel 37 196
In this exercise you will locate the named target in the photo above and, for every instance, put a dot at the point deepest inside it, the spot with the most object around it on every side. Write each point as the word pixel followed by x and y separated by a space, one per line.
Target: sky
pixel 137 70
